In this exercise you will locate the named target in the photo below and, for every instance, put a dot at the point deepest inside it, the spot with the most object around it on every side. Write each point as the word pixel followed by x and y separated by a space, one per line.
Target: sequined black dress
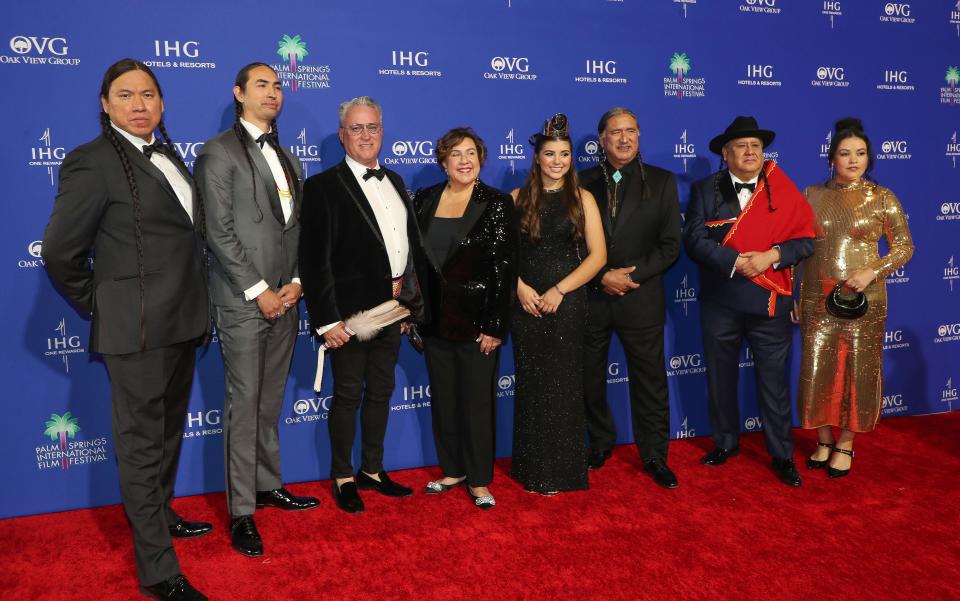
pixel 549 423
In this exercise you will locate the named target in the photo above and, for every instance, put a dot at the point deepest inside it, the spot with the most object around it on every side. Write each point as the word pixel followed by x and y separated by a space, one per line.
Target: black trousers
pixel 723 332
pixel 646 368
pixel 150 393
pixel 362 370
pixel 462 405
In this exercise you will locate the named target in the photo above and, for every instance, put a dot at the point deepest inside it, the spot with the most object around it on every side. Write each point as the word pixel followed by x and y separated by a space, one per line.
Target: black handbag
pixel 846 307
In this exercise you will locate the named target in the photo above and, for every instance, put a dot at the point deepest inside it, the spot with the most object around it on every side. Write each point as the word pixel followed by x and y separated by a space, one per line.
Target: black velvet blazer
pixel 472 291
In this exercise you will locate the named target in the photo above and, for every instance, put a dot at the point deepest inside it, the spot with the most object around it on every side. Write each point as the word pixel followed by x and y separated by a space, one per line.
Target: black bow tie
pixel 269 138
pixel 157 146
pixel 377 173
pixel 739 186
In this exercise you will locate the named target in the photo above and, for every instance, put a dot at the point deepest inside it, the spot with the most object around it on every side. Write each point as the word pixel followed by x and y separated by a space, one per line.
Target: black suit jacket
pixel 94 212
pixel 472 290
pixel 344 265
pixel 703 244
pixel 646 235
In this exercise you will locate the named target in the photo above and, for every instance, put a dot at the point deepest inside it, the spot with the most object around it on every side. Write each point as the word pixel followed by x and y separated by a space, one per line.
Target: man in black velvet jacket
pixel 641 220
pixel 358 245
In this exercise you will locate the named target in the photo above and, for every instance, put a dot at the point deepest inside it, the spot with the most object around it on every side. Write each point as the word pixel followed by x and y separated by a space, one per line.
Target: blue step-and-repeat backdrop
pixel 687 67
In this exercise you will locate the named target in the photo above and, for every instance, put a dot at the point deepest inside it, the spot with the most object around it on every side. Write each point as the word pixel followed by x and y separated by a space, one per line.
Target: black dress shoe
pixel 786 471
pixel 719 455
pixel 185 529
pixel 385 486
pixel 597 458
pixel 281 498
pixel 347 497
pixel 246 540
pixel 174 589
pixel 660 473
pixel 815 464
pixel 833 472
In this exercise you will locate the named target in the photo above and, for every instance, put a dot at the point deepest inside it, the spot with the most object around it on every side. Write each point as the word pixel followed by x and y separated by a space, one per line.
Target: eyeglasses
pixel 630 132
pixel 357 129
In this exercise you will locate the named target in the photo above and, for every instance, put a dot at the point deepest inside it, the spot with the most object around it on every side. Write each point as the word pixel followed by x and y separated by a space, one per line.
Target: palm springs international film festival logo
pixel 65 450
pixel 950 93
pixel 294 75
pixel 684 150
pixel 63 344
pixel 831 8
pixel 47 155
pixel 768 7
pixel 39 50
pixel 680 85
pixel 513 151
pixel 897 12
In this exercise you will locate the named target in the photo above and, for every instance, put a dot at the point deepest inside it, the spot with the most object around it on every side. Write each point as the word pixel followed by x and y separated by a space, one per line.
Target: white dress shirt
pixel 181 187
pixel 744 197
pixel 391 215
pixel 283 189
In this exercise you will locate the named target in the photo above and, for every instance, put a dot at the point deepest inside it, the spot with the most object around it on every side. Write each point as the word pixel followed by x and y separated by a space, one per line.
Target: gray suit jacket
pixel 249 240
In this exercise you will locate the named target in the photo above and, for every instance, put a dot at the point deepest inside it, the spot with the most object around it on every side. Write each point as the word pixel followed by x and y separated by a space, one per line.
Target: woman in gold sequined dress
pixel 841 367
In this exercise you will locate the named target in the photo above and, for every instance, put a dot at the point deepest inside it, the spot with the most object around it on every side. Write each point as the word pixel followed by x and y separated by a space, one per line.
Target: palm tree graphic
pixel 62 426
pixel 953 78
pixel 680 64
pixel 292 49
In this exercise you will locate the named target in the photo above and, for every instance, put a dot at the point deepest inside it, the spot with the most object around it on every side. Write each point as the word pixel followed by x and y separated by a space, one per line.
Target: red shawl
pixel 758 228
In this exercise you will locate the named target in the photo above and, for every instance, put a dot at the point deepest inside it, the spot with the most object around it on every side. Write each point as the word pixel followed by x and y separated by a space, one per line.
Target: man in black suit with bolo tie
pixel 128 199
pixel 251 187
pixel 641 220
pixel 358 245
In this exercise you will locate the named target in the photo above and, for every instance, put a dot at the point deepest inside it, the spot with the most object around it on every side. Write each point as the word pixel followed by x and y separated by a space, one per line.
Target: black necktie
pixel 157 146
pixel 739 186
pixel 269 138
pixel 377 173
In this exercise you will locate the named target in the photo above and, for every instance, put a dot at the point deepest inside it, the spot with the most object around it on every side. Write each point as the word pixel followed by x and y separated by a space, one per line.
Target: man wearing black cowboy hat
pixel 746 226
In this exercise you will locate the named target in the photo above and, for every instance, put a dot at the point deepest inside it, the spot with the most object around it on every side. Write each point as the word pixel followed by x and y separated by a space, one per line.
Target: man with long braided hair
pixel 746 226
pixel 251 191
pixel 641 218
pixel 127 199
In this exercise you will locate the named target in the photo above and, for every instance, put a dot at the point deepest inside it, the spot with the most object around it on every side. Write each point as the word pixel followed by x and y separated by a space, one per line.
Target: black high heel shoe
pixel 815 464
pixel 834 472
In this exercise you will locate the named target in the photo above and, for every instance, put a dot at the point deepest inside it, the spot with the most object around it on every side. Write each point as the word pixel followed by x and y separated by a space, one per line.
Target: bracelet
pixel 557 288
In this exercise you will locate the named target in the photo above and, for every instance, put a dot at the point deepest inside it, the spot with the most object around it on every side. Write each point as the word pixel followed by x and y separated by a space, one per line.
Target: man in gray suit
pixel 251 192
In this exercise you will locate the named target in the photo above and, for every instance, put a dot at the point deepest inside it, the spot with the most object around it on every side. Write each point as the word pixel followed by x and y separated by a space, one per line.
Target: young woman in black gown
pixel 561 249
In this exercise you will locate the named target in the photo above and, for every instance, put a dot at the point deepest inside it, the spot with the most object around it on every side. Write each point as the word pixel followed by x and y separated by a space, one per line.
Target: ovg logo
pixel 684 150
pixel 831 8
pixel 510 67
pixel 684 365
pixel 685 294
pixel 66 451
pixel 948 93
pixel 893 404
pixel 951 273
pixel 948 332
pixel 34 249
pixel 898 276
pixel 830 77
pixel 306 153
pixel 897 12
pixel 591 153
pixel 295 75
pixel 768 7
pixel 188 151
pixel 680 85
pixel 38 50
pixel 505 385
pixel 949 211
pixel 47 155
pixel 512 151
pixel 63 344
pixel 897 150
pixel 309 410
pixel 411 152
pixel 752 424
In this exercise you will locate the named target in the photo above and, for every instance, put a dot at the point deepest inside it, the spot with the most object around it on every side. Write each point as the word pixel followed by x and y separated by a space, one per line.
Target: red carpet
pixel 887 531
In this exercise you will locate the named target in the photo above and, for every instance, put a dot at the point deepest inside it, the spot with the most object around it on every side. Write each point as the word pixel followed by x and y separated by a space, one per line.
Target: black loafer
pixel 786 471
pixel 245 537
pixel 597 458
pixel 719 455
pixel 281 498
pixel 174 589
pixel 347 497
pixel 385 486
pixel 660 473
pixel 185 529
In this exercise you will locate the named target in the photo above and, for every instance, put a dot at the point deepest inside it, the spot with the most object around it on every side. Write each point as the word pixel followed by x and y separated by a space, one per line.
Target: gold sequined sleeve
pixel 897 232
